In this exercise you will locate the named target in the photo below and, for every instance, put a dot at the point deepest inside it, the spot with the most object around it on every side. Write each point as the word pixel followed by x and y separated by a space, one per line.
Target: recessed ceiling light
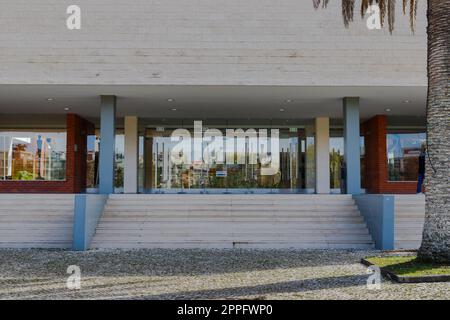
pixel 171 100
pixel 289 100
pixel 49 99
pixel 282 110
pixel 407 101
pixel 174 109
pixel 388 109
pixel 66 108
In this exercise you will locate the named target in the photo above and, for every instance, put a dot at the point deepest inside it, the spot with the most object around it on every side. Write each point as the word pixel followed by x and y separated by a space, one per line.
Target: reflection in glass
pixel 337 161
pixel 231 160
pixel 92 161
pixel 93 153
pixel 119 159
pixel 39 155
pixel 403 150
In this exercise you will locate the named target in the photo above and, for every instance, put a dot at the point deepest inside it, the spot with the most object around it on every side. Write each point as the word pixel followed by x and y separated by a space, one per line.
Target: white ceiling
pixel 225 102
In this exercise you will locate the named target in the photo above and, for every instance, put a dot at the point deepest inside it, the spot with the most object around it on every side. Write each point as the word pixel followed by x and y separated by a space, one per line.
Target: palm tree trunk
pixel 436 234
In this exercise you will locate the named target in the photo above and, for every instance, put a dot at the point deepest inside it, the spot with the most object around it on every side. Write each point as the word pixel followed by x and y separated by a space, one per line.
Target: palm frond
pixel 391 15
pixel 348 7
pixel 317 3
pixel 387 9
pixel 413 14
pixel 382 5
pixel 364 6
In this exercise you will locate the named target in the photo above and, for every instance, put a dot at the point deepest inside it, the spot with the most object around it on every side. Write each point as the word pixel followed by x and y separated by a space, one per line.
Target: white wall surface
pixel 204 42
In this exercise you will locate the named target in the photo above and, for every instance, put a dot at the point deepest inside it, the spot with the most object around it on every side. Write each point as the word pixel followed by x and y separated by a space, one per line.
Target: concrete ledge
pixel 87 212
pixel 379 213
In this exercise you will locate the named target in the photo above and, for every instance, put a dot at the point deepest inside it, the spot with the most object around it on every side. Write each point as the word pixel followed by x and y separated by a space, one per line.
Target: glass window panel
pixel 337 155
pixel 403 150
pixel 119 161
pixel 141 167
pixel 249 161
pixel 34 155
pixel 92 161
pixel 362 146
pixel 336 161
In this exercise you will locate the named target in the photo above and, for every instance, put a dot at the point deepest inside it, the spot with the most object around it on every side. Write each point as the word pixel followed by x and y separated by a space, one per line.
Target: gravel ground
pixel 199 274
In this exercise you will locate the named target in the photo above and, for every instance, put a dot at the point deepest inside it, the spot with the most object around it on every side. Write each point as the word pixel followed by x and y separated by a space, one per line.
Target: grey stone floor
pixel 199 274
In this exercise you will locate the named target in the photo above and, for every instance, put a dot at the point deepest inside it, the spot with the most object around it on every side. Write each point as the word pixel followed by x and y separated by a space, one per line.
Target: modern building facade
pixel 211 97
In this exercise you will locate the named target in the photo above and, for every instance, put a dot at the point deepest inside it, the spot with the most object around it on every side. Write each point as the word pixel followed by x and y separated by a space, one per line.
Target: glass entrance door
pixel 227 160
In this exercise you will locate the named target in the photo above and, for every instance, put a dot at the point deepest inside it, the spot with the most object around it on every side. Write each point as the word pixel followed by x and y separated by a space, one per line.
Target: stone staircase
pixel 36 220
pixel 409 220
pixel 231 221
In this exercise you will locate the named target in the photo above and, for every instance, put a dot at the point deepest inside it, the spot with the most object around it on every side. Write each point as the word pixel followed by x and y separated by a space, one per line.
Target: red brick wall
pixel 376 170
pixel 77 130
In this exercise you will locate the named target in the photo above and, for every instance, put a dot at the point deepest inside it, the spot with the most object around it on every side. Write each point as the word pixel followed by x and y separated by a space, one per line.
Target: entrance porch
pixel 260 171
pixel 125 139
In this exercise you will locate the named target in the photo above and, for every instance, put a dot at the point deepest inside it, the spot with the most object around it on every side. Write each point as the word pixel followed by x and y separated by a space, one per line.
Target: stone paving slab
pixel 199 274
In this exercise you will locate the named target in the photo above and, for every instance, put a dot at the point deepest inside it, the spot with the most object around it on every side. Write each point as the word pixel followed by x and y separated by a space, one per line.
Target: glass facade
pixel 119 160
pixel 403 150
pixel 93 147
pixel 33 155
pixel 93 153
pixel 247 162
pixel 337 160
pixel 229 160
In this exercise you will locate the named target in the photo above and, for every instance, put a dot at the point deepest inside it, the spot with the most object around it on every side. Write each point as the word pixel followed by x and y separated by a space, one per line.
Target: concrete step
pixel 227 206
pixel 234 218
pixel 408 236
pixel 410 218
pixel 35 196
pixel 227 211
pixel 35 244
pixel 320 216
pixel 419 212
pixel 35 237
pixel 37 208
pixel 408 245
pixel 256 197
pixel 142 224
pixel 133 221
pixel 188 227
pixel 409 224
pixel 243 245
pixel 43 201
pixel 409 221
pixel 36 220
pixel 231 202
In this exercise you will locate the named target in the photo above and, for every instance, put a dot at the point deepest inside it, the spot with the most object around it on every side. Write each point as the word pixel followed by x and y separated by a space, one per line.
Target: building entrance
pixel 202 159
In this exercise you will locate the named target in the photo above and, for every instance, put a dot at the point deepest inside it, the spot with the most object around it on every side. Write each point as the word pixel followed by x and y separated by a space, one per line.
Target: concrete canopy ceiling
pixel 214 102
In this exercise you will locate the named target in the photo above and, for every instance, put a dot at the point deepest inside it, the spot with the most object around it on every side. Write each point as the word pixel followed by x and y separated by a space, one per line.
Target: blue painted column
pixel 352 145
pixel 107 144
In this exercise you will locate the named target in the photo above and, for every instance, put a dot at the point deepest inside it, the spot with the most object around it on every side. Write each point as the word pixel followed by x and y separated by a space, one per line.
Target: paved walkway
pixel 196 274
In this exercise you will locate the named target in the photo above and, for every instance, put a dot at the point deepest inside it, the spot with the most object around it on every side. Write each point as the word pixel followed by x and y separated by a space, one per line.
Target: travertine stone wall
pixel 204 42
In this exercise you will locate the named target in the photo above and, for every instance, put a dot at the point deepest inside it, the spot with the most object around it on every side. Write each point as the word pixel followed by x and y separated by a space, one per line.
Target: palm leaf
pixel 387 9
